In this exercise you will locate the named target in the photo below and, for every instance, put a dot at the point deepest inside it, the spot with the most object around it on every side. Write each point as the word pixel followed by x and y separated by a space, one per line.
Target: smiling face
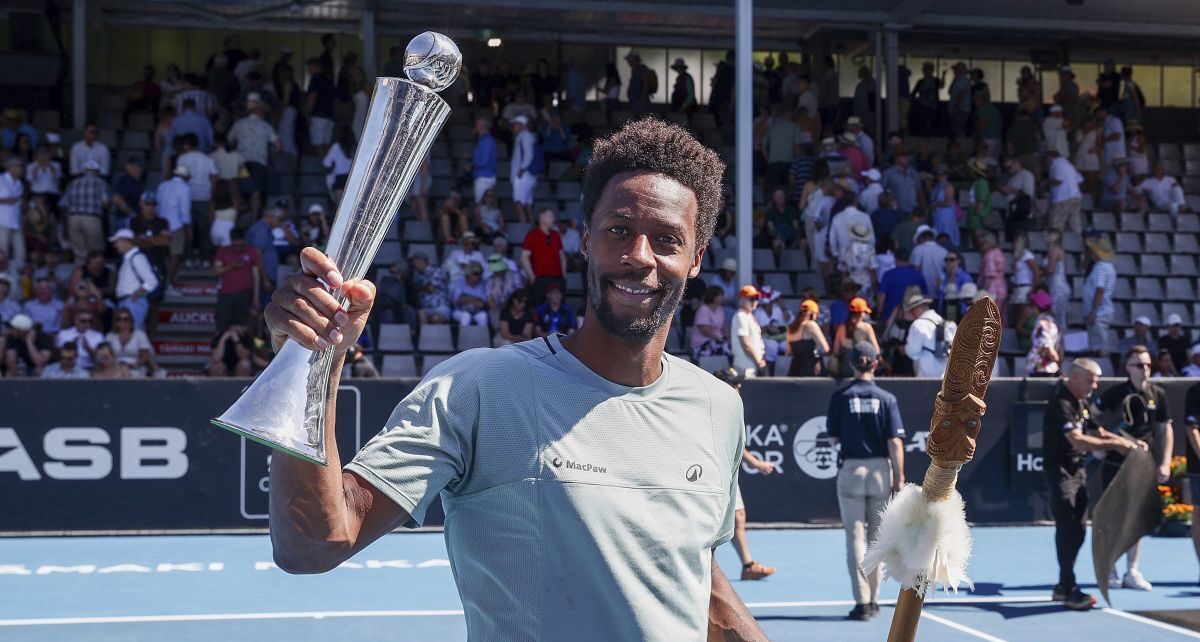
pixel 641 249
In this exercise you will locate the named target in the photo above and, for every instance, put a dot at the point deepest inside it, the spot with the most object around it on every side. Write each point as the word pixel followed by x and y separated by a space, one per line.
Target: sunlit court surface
pixel 225 588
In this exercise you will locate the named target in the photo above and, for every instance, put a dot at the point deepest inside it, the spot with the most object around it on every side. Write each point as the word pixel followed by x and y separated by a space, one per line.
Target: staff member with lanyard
pixel 1068 434
pixel 1143 415
pixel 865 419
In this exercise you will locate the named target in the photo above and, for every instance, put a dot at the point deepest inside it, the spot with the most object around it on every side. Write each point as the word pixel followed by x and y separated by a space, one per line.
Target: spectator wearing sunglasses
pixel 83 335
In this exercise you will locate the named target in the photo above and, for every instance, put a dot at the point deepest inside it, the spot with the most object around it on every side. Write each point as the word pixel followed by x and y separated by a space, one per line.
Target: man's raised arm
pixel 320 515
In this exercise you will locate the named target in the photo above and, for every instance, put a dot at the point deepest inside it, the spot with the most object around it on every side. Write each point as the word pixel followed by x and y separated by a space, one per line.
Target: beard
pixel 626 326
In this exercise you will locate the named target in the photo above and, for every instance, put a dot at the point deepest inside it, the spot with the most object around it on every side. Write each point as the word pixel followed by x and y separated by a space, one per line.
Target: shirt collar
pixel 575 367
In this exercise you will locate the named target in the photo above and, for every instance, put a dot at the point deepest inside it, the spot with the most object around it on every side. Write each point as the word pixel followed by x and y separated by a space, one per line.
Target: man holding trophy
pixel 562 521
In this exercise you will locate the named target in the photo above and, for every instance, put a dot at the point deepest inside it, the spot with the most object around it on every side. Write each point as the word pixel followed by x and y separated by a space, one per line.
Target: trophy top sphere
pixel 433 60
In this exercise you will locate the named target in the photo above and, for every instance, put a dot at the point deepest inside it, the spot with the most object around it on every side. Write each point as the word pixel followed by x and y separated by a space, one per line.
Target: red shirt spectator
pixel 239 277
pixel 545 250
pixel 242 260
pixel 542 258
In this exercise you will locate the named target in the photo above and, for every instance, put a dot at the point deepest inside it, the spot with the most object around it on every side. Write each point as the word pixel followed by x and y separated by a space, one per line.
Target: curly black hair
pixel 665 148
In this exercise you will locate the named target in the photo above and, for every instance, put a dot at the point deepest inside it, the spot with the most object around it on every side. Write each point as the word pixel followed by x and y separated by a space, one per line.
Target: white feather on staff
pixel 922 541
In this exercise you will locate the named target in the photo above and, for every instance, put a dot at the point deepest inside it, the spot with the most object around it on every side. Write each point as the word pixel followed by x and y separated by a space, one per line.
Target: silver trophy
pixel 284 408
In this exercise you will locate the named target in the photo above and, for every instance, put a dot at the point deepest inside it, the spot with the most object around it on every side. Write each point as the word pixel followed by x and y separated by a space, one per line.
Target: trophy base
pixel 307 452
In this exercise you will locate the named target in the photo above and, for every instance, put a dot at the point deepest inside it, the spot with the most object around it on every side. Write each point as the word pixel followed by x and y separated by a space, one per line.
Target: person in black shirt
pixel 865 420
pixel 516 320
pixel 232 353
pixel 1176 341
pixel 1140 411
pixel 152 232
pixel 1191 412
pixel 1068 434
pixel 1108 84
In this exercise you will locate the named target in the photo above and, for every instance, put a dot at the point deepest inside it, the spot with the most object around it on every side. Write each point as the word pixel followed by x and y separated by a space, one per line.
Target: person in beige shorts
pixel 751 570
pixel 865 420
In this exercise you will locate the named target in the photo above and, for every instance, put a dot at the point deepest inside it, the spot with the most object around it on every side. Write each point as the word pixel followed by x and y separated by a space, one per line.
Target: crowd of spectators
pixel 886 225
pixel 884 222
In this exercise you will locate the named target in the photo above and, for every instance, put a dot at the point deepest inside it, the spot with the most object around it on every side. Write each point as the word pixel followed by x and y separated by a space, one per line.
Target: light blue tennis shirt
pixel 576 509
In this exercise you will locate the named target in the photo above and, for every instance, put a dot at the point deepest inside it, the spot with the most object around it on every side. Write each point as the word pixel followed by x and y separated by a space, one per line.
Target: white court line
pixel 208 617
pixel 990 599
pixel 1145 620
pixel 295 615
pixel 959 627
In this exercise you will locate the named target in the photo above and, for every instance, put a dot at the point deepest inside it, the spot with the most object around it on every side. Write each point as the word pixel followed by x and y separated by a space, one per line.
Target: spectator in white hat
pixel 26 349
pixel 868 198
pixel 1176 340
pixel 1193 369
pixel 136 277
pixel 866 145
pixel 929 337
pixel 1140 336
pixel 927 256
pixel 468 295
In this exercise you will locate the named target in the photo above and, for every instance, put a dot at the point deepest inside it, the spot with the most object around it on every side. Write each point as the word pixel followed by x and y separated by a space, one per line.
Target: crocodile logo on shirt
pixel 694 473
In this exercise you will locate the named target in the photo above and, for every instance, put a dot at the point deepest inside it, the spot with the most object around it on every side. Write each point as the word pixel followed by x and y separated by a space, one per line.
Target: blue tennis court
pixel 225 588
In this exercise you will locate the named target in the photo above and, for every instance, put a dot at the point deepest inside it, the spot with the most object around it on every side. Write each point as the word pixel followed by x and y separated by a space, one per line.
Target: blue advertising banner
pixel 113 455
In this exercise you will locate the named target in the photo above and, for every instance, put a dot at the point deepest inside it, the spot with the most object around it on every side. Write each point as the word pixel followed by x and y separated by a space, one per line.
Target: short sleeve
pixel 897 424
pixel 740 327
pixel 731 423
pixel 1065 412
pixel 141 341
pixel 426 445
pixel 528 244
pixel 1161 415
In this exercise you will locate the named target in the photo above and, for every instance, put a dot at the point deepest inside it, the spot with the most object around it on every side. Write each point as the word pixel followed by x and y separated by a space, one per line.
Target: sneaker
pixel 1114 580
pixel 756 571
pixel 1134 580
pixel 1060 592
pixel 874 607
pixel 860 613
pixel 1077 600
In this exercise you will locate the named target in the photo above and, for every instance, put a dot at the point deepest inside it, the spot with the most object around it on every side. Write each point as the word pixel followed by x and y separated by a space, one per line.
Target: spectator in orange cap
pixel 856 328
pixel 749 352
pixel 806 342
